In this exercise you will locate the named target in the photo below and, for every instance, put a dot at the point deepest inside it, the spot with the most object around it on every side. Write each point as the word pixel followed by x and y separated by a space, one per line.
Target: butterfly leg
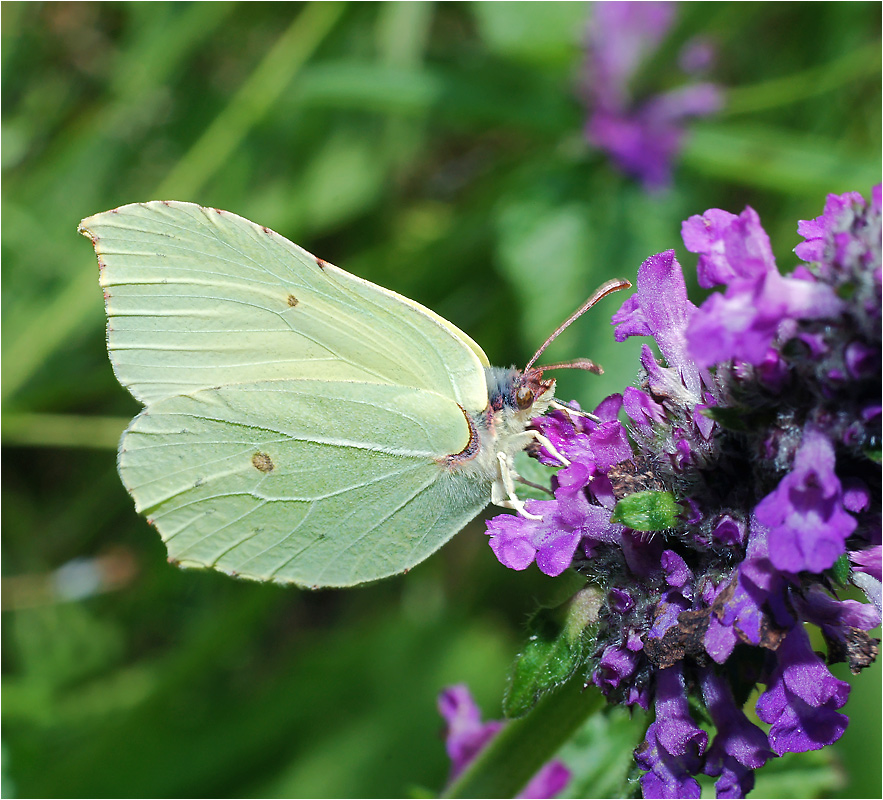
pixel 568 410
pixel 548 446
pixel 505 495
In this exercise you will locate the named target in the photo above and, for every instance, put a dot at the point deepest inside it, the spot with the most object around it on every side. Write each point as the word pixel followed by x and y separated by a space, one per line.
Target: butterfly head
pixel 531 393
pixel 518 394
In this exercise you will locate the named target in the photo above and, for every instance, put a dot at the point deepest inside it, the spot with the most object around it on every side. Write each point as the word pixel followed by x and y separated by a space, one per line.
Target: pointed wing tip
pixel 85 228
pixel 86 223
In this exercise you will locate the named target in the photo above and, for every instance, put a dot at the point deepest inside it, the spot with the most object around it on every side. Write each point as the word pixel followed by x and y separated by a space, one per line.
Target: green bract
pixel 647 511
pixel 560 639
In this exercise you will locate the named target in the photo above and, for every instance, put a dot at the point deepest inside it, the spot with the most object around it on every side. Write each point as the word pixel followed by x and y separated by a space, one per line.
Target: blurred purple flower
pixel 466 735
pixel 642 137
pixel 762 423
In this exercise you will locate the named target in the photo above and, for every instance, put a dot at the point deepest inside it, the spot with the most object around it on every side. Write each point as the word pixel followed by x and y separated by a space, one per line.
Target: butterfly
pixel 301 425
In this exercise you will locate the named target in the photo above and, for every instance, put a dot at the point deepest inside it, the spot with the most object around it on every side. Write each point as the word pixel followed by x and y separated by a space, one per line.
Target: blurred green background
pixel 435 149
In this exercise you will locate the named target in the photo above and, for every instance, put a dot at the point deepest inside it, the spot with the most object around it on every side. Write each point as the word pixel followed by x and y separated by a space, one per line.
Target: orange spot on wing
pixel 262 462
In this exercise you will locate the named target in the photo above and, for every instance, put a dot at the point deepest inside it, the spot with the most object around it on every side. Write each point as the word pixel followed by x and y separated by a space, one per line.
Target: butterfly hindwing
pixel 276 481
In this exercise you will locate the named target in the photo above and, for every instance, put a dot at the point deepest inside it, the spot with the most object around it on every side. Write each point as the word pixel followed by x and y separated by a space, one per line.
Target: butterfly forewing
pixel 198 298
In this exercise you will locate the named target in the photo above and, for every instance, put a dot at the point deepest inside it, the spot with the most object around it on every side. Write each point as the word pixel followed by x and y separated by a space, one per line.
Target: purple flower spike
pixel 749 469
pixel 642 138
pixel 466 736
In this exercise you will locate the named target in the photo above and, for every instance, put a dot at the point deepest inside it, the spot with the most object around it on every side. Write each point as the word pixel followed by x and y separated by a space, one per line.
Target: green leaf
pixel 599 756
pixel 560 639
pixel 344 177
pixel 647 511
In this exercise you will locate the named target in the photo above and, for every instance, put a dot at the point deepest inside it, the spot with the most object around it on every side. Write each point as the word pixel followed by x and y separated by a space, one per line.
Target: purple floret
pixel 801 698
pixel 743 323
pixel 673 747
pixel 805 516
pixel 739 747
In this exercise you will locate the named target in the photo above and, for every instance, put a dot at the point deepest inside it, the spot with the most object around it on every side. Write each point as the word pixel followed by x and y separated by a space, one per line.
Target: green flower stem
pixel 52 325
pixel 253 100
pixel 63 430
pixel 518 751
pixel 860 63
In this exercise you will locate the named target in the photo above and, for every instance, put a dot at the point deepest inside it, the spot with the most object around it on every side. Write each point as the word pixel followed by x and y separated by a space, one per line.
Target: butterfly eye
pixel 524 397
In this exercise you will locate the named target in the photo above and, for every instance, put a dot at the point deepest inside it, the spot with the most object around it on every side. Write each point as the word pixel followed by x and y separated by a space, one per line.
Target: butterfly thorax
pixel 514 398
pixel 516 395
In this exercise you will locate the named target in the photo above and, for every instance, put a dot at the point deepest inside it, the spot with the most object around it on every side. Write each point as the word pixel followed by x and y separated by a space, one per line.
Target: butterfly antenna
pixel 578 363
pixel 600 293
